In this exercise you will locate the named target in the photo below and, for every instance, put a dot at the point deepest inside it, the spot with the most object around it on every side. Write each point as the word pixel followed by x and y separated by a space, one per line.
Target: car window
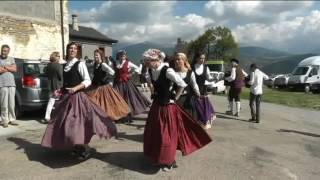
pixel 215 67
pixel 34 69
pixel 314 71
pixel 301 71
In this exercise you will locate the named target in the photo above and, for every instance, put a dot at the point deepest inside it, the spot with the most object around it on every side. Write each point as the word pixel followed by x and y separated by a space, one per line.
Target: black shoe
pixel 128 121
pixel 251 120
pixel 167 168
pixel 257 121
pixel 174 165
pixel 229 112
pixel 84 155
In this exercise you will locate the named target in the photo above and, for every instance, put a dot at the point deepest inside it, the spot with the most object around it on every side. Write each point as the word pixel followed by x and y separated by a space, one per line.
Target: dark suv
pixel 31 85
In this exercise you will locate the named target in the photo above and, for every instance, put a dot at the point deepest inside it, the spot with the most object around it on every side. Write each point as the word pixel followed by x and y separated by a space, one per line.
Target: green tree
pixel 217 42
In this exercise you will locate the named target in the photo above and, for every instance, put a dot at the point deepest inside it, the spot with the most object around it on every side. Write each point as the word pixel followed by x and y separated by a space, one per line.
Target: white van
pixel 306 73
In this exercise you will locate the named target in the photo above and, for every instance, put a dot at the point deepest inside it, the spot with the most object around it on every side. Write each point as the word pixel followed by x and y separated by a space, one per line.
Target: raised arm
pixel 232 77
pixel 134 67
pixel 208 75
pixel 107 68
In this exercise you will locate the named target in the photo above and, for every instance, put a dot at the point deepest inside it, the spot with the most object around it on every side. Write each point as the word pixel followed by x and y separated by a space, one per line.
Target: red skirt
pixel 169 128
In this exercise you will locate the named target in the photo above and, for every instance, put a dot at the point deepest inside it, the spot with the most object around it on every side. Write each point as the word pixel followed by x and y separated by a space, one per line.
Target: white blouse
pixel 193 81
pixel 106 68
pixel 131 66
pixel 83 71
pixel 170 74
pixel 199 70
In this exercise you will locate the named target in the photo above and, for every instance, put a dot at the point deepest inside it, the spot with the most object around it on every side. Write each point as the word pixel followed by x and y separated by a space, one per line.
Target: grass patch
pixel 284 97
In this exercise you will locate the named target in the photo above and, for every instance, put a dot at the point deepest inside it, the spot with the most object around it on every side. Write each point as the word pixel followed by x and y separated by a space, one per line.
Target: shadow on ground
pixel 132 137
pixel 37 115
pixel 299 132
pixel 48 157
pixel 133 161
pixel 228 117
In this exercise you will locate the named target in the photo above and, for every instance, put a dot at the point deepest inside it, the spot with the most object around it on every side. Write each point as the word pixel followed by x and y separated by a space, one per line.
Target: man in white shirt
pixel 256 82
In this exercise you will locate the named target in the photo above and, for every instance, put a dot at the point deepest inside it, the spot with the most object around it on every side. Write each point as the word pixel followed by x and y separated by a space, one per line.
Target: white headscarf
pixel 153 54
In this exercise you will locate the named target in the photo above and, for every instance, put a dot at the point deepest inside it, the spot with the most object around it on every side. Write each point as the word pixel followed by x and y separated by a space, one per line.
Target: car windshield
pixel 301 71
pixel 36 69
pixel 215 67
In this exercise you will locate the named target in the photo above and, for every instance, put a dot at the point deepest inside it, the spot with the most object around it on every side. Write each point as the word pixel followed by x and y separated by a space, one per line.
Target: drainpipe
pixel 62 28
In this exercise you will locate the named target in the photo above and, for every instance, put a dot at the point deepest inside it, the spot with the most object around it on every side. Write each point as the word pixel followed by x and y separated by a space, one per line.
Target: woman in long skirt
pixel 191 93
pixel 101 91
pixel 169 127
pixel 204 107
pixel 137 102
pixel 76 118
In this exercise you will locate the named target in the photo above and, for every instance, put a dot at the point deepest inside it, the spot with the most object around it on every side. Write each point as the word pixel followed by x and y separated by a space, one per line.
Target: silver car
pixel 281 81
pixel 31 85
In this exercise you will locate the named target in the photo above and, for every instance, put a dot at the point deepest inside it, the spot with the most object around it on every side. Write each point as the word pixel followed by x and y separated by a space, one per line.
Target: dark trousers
pixel 255 106
pixel 234 94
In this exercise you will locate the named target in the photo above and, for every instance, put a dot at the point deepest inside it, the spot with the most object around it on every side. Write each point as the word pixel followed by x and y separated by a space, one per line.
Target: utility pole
pixel 62 27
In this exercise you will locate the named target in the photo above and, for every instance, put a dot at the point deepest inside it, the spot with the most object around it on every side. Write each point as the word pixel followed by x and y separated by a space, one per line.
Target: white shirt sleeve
pixel 233 75
pixel 208 75
pixel 194 84
pixel 134 67
pixel 173 76
pixel 244 73
pixel 107 69
pixel 83 70
pixel 251 78
pixel 140 68
pixel 265 77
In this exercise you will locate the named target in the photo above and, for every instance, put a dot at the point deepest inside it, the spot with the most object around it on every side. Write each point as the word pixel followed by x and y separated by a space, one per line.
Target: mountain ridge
pixel 271 61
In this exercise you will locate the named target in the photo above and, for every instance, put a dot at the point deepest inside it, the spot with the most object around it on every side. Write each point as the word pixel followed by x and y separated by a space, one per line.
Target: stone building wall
pixel 33 28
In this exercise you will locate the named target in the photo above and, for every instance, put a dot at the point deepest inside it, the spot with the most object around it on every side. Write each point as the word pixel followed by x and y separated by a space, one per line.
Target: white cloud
pixel 186 27
pixel 127 12
pixel 240 12
pixel 286 25
pixel 297 34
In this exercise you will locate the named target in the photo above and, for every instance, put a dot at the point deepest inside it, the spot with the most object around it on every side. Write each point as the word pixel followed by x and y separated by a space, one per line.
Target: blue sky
pixel 284 25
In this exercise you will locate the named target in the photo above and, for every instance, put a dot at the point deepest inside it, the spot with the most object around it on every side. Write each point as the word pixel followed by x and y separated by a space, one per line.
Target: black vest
pixel 187 90
pixel 72 77
pixel 201 80
pixel 162 85
pixel 100 77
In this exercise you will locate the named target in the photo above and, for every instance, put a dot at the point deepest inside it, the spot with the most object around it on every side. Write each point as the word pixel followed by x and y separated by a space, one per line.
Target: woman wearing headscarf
pixel 168 127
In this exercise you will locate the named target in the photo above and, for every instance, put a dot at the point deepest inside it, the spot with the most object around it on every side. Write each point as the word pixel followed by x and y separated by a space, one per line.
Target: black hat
pixel 121 52
pixel 235 60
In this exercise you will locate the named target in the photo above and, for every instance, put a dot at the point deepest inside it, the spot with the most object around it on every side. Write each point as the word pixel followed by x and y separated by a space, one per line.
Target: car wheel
pixel 225 91
pixel 17 111
pixel 307 88
pixel 215 90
